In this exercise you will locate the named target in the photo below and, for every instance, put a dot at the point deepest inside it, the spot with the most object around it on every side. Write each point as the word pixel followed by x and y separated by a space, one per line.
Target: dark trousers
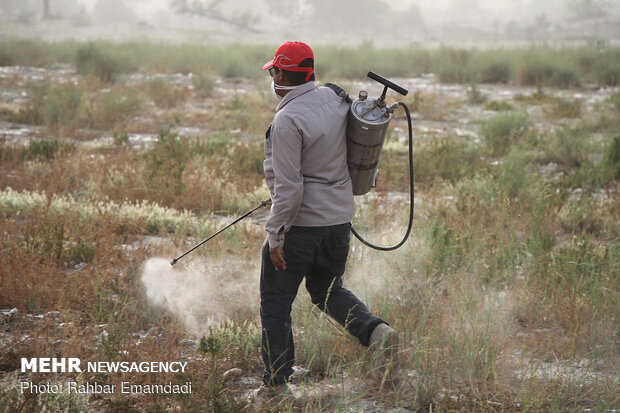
pixel 319 254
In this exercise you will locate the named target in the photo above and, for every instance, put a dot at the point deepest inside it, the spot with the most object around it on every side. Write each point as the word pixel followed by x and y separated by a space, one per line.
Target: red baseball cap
pixel 290 55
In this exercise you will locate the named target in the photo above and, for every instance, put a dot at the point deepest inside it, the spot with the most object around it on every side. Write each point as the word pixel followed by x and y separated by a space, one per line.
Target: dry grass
pixel 506 296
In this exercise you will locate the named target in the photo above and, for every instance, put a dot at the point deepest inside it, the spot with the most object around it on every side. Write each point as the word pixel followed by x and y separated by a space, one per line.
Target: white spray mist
pixel 203 292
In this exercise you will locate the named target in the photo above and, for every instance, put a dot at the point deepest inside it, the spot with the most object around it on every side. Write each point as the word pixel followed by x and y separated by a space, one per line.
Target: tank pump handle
pixel 387 84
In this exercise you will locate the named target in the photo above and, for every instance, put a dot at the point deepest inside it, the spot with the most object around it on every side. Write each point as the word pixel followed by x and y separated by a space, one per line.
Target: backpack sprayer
pixel 367 125
pixel 366 129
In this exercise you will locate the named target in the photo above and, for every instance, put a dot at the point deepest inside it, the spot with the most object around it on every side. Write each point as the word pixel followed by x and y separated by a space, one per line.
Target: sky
pixel 437 21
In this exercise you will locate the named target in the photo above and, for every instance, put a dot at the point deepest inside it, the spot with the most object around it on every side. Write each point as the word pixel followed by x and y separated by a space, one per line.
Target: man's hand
pixel 277 257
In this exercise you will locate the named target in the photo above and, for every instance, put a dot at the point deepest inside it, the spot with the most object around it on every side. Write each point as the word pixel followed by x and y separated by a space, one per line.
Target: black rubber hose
pixel 411 194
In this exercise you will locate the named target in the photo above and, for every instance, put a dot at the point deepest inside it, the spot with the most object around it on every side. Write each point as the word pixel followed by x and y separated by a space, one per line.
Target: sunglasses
pixel 273 70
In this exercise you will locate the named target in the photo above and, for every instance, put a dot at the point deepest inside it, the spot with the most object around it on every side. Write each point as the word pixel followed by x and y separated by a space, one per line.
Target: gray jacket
pixel 306 162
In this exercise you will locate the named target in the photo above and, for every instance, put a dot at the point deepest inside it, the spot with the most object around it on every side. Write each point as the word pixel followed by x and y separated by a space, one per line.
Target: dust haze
pixel 202 293
pixel 345 22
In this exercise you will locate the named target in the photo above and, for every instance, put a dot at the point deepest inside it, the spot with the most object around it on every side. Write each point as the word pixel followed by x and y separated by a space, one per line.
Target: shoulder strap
pixel 339 91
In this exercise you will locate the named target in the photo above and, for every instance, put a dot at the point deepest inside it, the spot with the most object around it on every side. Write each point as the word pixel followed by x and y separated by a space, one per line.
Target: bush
pixel 90 59
pixel 565 108
pixel 445 159
pixel 56 106
pixel 495 72
pixel 611 159
pixel 25 52
pixel 454 66
pixel 165 164
pixel 164 94
pixel 46 149
pixel 539 71
pixel 498 105
pixel 204 83
pixel 111 109
pixel 514 178
pixel 474 96
pixel 607 70
pixel 33 112
pixel 64 105
pixel 502 131
pixel 615 100
pixel 568 147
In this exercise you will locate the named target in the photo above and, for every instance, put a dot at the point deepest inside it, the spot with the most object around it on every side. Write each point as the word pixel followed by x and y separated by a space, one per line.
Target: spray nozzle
pixel 263 204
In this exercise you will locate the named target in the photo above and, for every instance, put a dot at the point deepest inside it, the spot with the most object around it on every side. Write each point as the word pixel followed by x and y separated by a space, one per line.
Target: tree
pixel 353 12
pixel 587 9
pixel 285 8
pixel 46 9
pixel 211 10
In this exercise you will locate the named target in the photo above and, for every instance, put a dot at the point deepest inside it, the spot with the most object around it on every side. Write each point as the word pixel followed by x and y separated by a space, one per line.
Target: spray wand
pixel 261 205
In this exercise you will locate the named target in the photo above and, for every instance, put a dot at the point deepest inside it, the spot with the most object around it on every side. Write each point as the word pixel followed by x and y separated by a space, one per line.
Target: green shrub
pixel 79 252
pixel 164 168
pixel 565 78
pixel 615 100
pixel 64 105
pixel 111 109
pixel 165 94
pixel 453 66
pixel 204 83
pixel 502 131
pixel 445 159
pixel 121 138
pixel 6 59
pixel 453 73
pixel 91 59
pixel 474 96
pixel 33 111
pixel 498 105
pixel 495 72
pixel 611 159
pixel 514 178
pixel 540 71
pixel 45 149
pixel 565 108
pixel 25 52
pixel 568 147
pixel 607 69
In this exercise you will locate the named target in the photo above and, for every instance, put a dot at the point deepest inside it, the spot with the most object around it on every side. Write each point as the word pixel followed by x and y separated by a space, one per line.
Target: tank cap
pixel 363 95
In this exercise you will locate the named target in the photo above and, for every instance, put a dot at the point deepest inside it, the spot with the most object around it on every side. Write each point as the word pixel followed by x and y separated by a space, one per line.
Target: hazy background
pixel 347 22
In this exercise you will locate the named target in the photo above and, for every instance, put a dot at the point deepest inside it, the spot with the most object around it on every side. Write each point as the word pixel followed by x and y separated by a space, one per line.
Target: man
pixel 312 207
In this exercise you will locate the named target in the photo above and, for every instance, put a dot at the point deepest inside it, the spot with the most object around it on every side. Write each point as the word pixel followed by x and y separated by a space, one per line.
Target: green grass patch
pixel 112 108
pixel 563 68
pixel 447 160
pixel 503 131
pixel 564 108
pixel 94 59
pixel 568 147
pixel 498 105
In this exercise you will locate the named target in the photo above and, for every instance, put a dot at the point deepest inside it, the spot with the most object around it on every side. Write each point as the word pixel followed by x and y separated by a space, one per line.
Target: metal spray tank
pixel 367 126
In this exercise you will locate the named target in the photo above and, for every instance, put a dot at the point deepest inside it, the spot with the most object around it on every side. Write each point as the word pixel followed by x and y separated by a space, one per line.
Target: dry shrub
pixel 166 95
pixel 430 105
pixel 111 109
pixel 503 131
pixel 564 108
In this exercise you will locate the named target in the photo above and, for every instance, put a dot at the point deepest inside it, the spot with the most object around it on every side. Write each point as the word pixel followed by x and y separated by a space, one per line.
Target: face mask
pixel 275 87
pixel 273 91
